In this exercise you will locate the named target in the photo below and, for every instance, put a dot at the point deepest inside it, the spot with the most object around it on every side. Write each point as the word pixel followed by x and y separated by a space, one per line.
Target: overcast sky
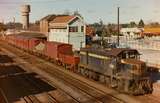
pixel 91 10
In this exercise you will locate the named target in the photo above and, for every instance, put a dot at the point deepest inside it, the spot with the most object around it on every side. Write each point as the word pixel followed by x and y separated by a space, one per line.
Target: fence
pixel 149 48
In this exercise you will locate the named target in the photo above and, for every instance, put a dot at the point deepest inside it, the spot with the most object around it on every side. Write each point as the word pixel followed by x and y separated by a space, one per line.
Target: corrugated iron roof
pixel 117 51
pixel 110 52
pixel 62 19
pixel 49 17
pixel 30 35
pixel 133 61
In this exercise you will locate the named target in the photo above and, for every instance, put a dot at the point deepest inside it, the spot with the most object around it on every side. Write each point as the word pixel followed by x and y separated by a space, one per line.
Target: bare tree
pixel 67 12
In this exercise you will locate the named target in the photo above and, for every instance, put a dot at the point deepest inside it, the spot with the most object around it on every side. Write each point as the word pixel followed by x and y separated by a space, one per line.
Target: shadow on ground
pixel 15 83
pixel 5 59
pixel 154 74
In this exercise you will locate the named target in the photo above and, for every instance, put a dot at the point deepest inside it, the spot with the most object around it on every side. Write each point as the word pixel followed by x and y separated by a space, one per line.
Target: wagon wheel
pixel 71 68
pixel 59 63
pixel 75 68
pixel 79 69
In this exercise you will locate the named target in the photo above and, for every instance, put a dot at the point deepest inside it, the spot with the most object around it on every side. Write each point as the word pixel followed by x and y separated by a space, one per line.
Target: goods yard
pixel 20 86
pixel 56 78
pixel 69 90
pixel 113 65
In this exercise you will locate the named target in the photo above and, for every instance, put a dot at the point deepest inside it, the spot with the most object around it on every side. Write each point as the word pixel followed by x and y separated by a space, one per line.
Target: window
pixel 82 28
pixel 73 29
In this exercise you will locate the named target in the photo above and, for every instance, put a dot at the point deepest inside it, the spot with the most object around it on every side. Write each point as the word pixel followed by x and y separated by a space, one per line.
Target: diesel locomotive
pixel 119 68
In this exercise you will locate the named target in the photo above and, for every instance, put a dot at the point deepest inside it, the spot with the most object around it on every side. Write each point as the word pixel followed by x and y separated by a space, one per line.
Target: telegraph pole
pixel 14 26
pixel 118 27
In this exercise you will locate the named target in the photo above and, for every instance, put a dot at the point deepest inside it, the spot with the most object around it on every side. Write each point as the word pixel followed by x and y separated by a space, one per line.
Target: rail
pixel 77 86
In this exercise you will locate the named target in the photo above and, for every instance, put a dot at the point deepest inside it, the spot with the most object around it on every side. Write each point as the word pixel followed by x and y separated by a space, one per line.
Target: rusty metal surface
pixel 54 48
pixel 133 61
pixel 109 52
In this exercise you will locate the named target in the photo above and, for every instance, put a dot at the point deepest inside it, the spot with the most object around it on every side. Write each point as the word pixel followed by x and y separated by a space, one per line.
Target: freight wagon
pixel 59 53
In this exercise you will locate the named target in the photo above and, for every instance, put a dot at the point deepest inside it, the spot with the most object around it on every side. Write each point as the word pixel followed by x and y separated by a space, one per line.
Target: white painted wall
pixel 130 31
pixel 77 39
pixel 59 35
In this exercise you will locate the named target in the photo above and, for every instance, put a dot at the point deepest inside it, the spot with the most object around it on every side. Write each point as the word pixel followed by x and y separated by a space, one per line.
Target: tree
pixel 2 27
pixel 133 24
pixel 37 22
pixel 154 24
pixel 141 24
pixel 76 13
pixel 125 25
pixel 67 12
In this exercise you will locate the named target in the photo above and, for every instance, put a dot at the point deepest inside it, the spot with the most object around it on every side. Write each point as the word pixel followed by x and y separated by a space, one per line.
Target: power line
pixel 46 1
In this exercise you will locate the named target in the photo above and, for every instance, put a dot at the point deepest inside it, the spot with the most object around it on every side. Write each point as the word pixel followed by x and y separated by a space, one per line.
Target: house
pixel 151 31
pixel 44 23
pixel 130 32
pixel 90 31
pixel 68 29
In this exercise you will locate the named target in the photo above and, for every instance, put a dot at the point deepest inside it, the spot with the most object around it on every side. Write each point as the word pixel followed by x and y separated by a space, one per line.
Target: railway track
pixel 45 97
pixel 96 96
pixel 84 97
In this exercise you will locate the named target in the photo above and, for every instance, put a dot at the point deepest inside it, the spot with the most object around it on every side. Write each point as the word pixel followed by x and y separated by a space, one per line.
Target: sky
pixel 91 10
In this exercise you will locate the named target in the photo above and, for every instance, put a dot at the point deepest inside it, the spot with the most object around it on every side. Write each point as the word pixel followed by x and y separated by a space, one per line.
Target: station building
pixel 66 29
pixel 131 32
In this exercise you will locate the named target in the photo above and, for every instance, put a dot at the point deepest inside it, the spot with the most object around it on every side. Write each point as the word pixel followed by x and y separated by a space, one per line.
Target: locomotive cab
pixel 136 67
pixel 134 74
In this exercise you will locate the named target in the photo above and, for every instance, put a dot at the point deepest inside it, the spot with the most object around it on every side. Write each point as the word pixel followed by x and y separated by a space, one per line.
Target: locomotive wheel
pixel 149 86
pixel 79 69
pixel 139 89
pixel 90 75
pixel 86 73
pixel 120 85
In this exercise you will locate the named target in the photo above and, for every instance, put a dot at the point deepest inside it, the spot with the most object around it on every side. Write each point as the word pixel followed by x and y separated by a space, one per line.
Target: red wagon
pixel 54 48
pixel 69 61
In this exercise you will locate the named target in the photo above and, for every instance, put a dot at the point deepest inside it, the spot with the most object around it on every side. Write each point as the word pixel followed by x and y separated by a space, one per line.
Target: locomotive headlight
pixel 111 66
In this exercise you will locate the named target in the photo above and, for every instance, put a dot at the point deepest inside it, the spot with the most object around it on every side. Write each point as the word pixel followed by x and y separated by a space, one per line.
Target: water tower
pixel 25 10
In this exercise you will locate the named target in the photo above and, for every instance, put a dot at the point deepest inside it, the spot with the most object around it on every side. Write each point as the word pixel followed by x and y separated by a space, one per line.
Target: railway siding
pixel 112 93
pixel 20 86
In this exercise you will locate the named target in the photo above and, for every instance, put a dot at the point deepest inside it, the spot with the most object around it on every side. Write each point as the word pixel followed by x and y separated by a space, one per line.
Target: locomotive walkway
pixel 78 88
